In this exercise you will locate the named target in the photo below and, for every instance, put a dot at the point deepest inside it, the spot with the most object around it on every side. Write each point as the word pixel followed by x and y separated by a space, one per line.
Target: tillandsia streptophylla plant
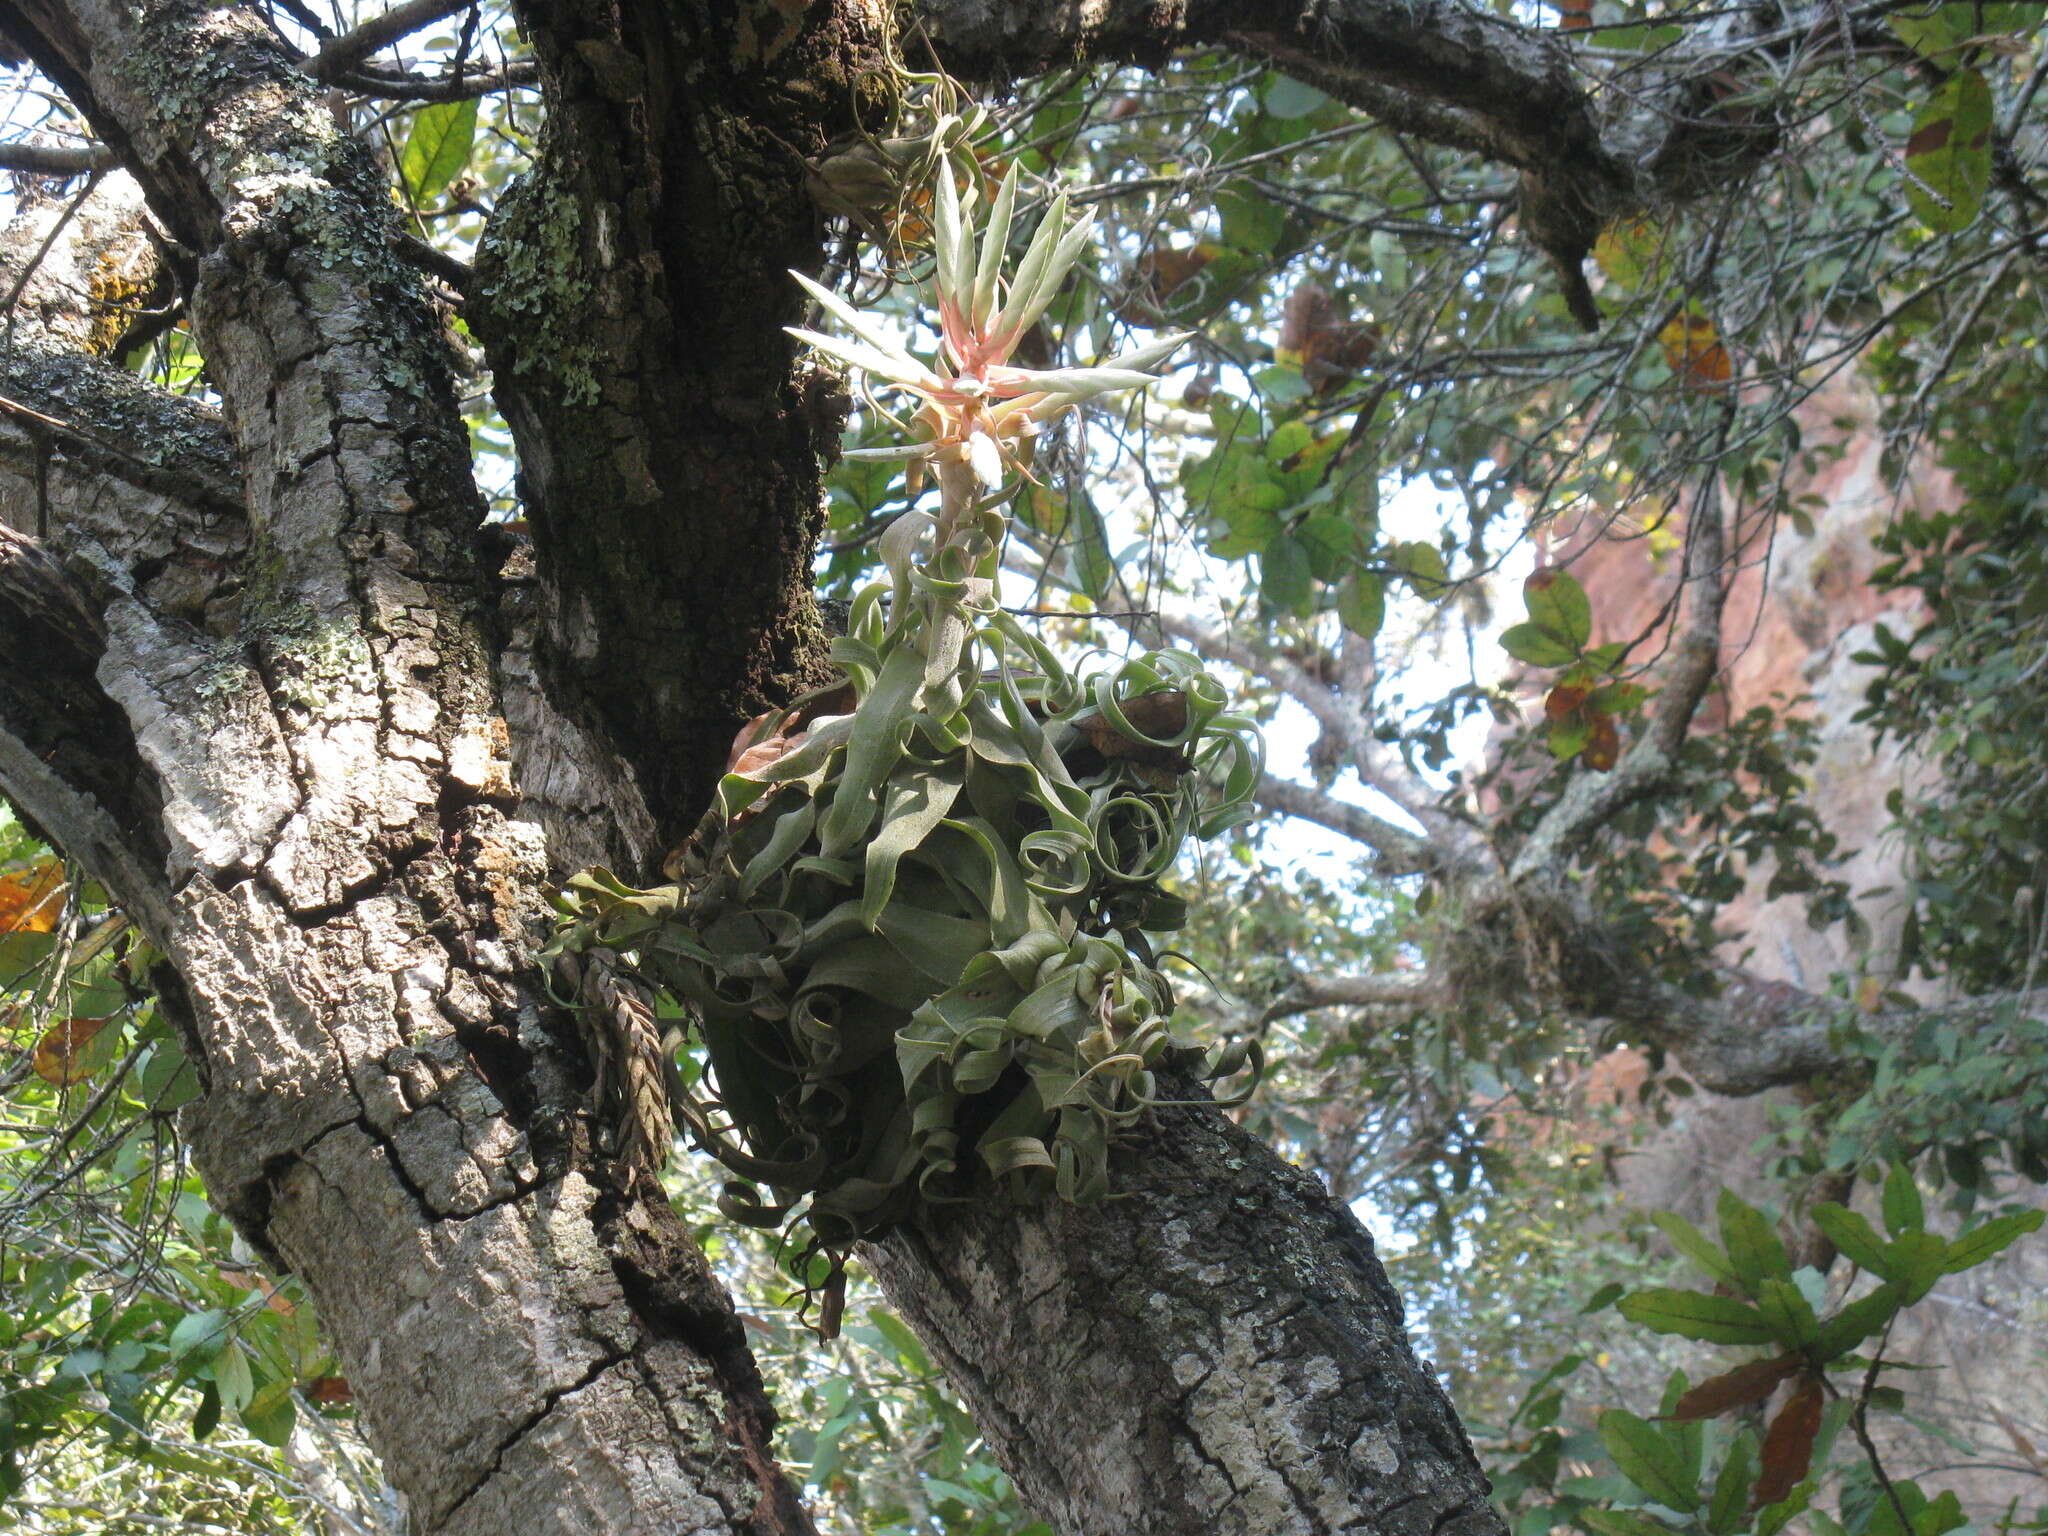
pixel 916 950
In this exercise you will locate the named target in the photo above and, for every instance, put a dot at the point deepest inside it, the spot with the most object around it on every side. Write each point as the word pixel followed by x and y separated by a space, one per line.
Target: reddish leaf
pixel 1788 1444
pixel 273 1298
pixel 32 899
pixel 62 1056
pixel 1319 339
pixel 1561 701
pixel 330 1389
pixel 1575 15
pixel 753 751
pixel 1739 1388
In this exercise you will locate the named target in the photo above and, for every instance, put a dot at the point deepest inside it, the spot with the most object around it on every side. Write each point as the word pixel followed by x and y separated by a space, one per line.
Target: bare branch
pixel 1400 852
pixel 1387 989
pixel 404 85
pixel 341 54
pixel 1592 797
pixel 56 159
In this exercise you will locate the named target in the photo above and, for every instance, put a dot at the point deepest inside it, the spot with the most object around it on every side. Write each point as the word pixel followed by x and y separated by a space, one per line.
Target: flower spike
pixel 975 407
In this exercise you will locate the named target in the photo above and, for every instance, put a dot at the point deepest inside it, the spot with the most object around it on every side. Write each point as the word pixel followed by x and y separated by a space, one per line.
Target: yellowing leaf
pixel 1693 349
pixel 67 1053
pixel 1626 250
pixel 32 899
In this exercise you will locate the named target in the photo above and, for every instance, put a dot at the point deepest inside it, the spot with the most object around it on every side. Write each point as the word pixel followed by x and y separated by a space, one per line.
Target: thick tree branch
pixel 357 888
pixel 631 294
pixel 1226 1315
pixel 1399 851
pixel 341 54
pixel 1387 989
pixel 56 159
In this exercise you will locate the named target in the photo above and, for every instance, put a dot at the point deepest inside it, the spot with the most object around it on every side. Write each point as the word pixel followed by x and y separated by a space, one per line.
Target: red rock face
pixel 1800 604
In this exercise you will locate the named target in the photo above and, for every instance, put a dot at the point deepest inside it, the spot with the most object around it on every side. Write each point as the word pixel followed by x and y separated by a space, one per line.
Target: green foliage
pixel 1681 1471
pixel 438 148
pixel 143 1365
pixel 935 906
pixel 1962 688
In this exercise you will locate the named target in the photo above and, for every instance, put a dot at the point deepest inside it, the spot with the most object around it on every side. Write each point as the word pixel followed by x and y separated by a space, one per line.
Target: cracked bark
pixel 295 775
pixel 1215 1350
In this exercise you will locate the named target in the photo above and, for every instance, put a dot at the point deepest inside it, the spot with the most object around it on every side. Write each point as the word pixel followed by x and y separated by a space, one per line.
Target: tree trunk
pixel 305 797
pixel 1216 1349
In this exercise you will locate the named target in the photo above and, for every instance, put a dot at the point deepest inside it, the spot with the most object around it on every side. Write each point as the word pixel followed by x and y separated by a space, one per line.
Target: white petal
pixel 986 458
pixel 896 367
pixel 861 325
pixel 995 242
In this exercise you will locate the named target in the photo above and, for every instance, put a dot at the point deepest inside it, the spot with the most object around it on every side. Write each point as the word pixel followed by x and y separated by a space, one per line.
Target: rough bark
pixel 1215 1350
pixel 320 829
pixel 631 295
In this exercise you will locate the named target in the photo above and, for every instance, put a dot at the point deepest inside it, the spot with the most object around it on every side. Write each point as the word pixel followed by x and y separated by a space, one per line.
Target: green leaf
pixel 1284 575
pixel 1605 1297
pixel 1855 1238
pixel 1285 97
pixel 207 1419
pixel 1332 542
pixel 270 1414
pixel 1649 1459
pixel 1569 736
pixel 1753 1247
pixel 1695 1245
pixel 1773 1518
pixel 1727 1509
pixel 1697 1315
pixel 1948 154
pixel 1863 1318
pixel 1788 1312
pixel 1423 564
pixel 1362 603
pixel 1251 223
pixel 1918 1260
pixel 910 1353
pixel 1280 384
pixel 1536 645
pixel 1903 1210
pixel 1558 603
pixel 199 1333
pixel 1992 1238
pixel 438 147
pixel 1620 1522
pixel 1094 571
pixel 232 1375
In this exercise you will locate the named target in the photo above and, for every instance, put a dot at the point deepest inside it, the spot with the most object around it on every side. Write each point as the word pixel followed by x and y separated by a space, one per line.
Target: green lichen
pixel 536 288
